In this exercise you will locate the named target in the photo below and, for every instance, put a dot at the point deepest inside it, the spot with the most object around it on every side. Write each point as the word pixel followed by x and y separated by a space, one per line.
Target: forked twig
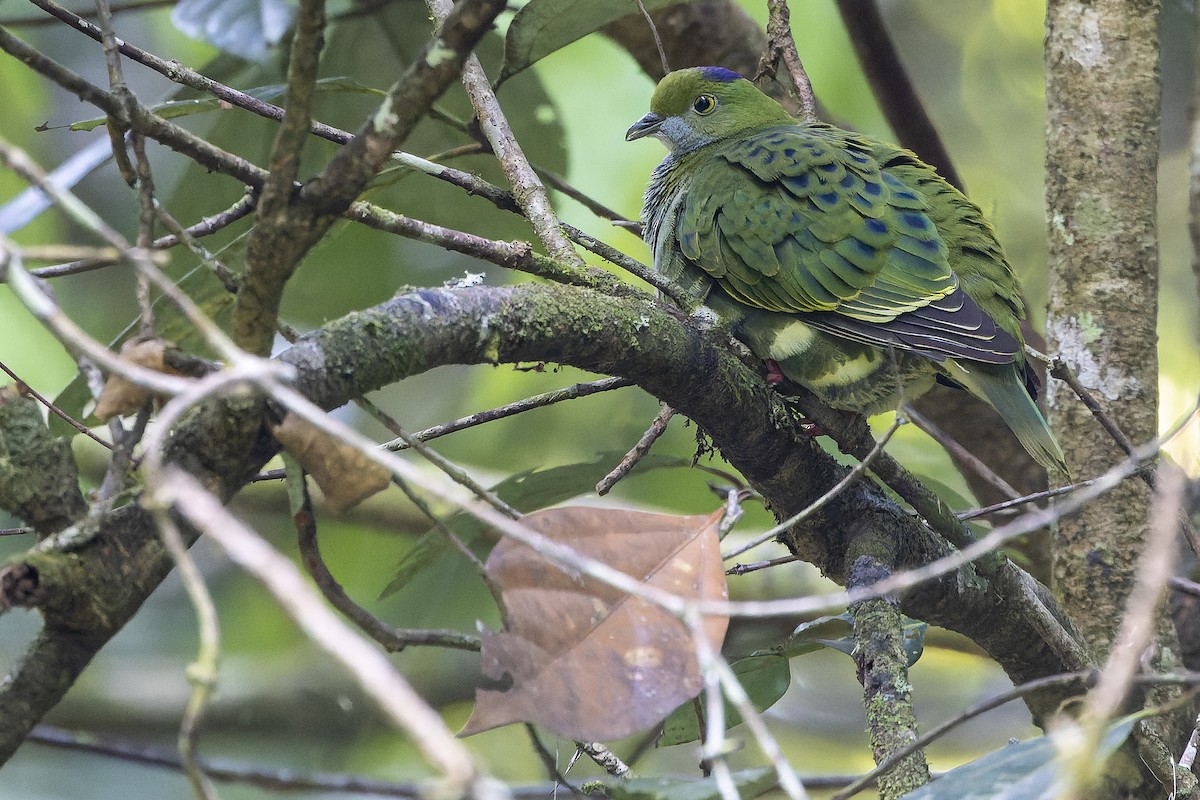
pixel 960 453
pixel 657 428
pixel 393 639
pixel 781 47
pixel 821 501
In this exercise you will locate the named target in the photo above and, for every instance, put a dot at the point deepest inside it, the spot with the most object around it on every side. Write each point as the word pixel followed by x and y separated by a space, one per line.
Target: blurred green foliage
pixel 977 64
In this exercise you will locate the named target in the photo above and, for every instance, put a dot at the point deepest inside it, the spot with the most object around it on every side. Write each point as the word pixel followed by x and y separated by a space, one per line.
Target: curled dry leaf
pixel 120 396
pixel 581 658
pixel 346 476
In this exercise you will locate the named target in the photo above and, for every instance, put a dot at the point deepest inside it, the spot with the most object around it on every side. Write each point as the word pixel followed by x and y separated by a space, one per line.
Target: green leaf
pixel 295 482
pixel 764 677
pixel 837 633
pixel 914 639
pixel 526 491
pixel 246 28
pixel 750 783
pixel 1025 771
pixel 833 631
pixel 172 109
pixel 543 26
pixel 168 110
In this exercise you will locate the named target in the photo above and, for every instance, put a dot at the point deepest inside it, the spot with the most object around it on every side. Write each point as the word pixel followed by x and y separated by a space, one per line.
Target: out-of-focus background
pixel 281 703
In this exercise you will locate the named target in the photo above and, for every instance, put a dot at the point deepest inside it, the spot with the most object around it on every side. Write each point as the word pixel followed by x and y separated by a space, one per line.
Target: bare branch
pixel 781 48
pixel 370 668
pixel 883 672
pixel 277 251
pixel 393 639
pixel 519 407
pixel 958 452
pixel 657 428
pixel 892 88
pixel 530 194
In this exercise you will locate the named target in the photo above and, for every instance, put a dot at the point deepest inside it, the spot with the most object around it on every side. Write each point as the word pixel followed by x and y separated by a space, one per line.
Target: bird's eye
pixel 704 104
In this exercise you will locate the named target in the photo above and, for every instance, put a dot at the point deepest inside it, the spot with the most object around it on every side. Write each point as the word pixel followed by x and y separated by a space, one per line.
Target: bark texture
pixel 1102 107
pixel 1102 118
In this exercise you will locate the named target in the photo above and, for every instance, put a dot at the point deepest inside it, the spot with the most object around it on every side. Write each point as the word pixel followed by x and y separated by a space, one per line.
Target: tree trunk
pixel 1102 116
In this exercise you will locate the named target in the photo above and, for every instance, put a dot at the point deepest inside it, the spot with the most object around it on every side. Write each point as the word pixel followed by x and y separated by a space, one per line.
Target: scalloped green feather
pixel 847 261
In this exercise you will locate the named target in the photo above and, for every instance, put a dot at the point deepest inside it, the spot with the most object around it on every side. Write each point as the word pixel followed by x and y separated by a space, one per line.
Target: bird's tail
pixel 1004 390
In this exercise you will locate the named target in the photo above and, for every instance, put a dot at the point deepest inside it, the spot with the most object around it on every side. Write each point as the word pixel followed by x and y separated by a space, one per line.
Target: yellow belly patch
pixel 790 340
pixel 851 371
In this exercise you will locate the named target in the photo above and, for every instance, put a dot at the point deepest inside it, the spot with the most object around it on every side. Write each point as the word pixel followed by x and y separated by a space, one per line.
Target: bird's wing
pixel 804 220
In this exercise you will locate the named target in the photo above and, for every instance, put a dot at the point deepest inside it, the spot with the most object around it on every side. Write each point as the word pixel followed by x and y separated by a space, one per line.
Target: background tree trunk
pixel 1102 146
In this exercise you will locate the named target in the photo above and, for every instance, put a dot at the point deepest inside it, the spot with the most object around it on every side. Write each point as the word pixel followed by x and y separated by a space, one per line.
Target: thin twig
pixel 781 47
pixel 742 569
pixel 632 266
pixel 821 501
pixel 606 759
pixel 712 662
pixel 113 8
pixel 662 53
pixel 1184 585
pixel 1061 370
pixel 43 307
pixel 117 471
pixel 202 673
pixel 530 193
pixel 70 252
pixel 1084 678
pixel 148 214
pixel 393 639
pixel 185 76
pixel 951 562
pixel 369 666
pixel 559 183
pixel 657 428
pixel 1046 494
pixel 244 206
pixel 944 727
pixel 455 472
pixel 156 127
pixel 518 407
pixel 455 540
pixel 1134 636
pixel 959 453
pixel 549 761
pixel 893 90
pixel 281 779
pixel 192 79
pixel 510 255
pixel 72 335
pixel 53 409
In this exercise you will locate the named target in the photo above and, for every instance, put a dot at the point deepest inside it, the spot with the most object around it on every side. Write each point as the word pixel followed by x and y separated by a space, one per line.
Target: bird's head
pixel 692 107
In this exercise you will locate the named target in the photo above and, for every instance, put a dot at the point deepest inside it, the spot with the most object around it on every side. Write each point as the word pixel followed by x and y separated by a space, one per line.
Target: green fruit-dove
pixel 846 262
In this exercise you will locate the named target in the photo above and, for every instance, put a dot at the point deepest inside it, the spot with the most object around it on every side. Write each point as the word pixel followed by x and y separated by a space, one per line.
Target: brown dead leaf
pixel 120 396
pixel 346 476
pixel 581 658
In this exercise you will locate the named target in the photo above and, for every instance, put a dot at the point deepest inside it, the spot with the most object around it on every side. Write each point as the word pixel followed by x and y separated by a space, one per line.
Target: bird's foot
pixel 774 373
pixel 810 428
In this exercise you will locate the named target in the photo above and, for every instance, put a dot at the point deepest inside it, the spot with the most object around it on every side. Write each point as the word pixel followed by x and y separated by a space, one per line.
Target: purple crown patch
pixel 720 74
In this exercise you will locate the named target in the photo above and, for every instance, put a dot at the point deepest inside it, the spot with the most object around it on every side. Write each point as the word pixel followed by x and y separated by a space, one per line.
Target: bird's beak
pixel 646 126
